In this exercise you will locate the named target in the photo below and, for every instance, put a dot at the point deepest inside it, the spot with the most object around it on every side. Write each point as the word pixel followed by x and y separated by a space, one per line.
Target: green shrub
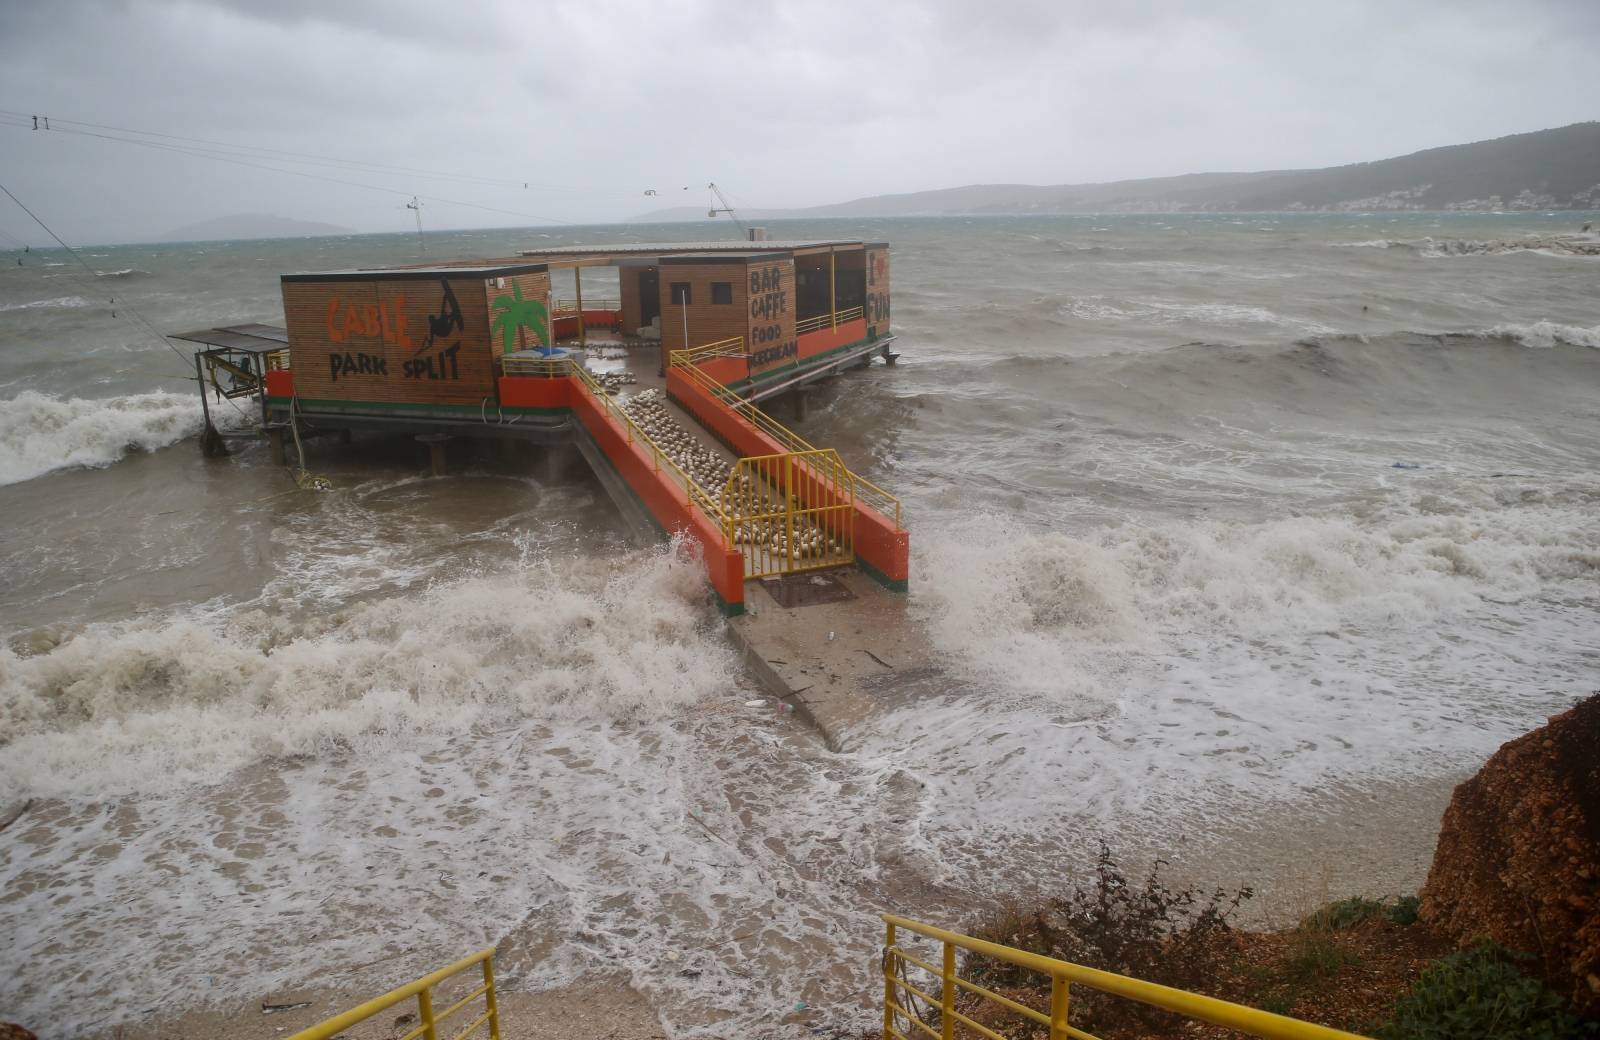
pixel 1315 958
pixel 1177 937
pixel 1404 910
pixel 1346 913
pixel 1479 992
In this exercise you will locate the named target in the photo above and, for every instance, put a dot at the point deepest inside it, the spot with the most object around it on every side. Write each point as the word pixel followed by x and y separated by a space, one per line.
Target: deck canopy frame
pixel 234 364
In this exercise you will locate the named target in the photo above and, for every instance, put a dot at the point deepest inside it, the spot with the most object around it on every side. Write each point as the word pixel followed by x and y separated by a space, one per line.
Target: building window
pixel 680 293
pixel 721 292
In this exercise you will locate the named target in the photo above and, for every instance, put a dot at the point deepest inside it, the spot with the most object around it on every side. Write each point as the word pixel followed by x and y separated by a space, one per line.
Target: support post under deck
pixel 438 453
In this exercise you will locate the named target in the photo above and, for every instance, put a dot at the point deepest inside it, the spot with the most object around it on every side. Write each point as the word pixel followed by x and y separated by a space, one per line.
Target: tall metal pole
pixel 415 206
pixel 583 333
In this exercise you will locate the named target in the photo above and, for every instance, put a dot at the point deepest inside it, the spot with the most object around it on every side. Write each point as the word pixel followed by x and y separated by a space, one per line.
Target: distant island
pixel 251 225
pixel 1546 169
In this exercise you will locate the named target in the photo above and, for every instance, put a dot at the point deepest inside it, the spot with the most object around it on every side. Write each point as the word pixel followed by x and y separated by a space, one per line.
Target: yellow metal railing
pixel 791 512
pixel 428 1020
pixel 800 502
pixel 1063 975
pixel 863 488
pixel 694 493
pixel 823 321
pixel 721 348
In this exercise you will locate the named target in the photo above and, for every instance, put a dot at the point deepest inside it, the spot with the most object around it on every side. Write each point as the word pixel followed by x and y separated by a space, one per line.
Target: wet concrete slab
pixel 844 655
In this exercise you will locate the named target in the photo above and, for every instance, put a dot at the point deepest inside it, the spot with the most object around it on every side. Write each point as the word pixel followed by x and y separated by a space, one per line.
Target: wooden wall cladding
pixel 769 332
pixel 519 312
pixel 405 341
pixel 876 307
pixel 708 322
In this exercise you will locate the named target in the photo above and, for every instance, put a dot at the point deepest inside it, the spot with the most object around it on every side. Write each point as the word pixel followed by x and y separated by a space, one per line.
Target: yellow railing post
pixel 489 1000
pixel 422 990
pixel 788 510
pixel 1058 1008
pixel 888 982
pixel 947 995
pixel 425 1010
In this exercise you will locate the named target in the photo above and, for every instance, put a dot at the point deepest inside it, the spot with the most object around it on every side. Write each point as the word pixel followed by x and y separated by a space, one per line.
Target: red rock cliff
pixel 1518 858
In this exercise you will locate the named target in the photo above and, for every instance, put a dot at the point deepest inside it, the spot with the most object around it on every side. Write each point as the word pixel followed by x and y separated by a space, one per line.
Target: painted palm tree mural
pixel 513 314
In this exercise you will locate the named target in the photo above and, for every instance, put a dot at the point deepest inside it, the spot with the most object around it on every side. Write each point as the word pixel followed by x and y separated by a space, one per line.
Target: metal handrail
pixel 696 494
pixel 731 347
pixel 865 490
pixel 1062 975
pixel 821 321
pixel 422 989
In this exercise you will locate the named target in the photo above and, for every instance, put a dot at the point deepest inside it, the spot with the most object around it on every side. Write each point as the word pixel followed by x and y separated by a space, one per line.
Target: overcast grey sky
pixel 783 104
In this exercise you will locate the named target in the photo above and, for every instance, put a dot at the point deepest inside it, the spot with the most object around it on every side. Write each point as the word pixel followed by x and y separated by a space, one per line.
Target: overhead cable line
pixel 140 318
pixel 219 157
pixel 57 125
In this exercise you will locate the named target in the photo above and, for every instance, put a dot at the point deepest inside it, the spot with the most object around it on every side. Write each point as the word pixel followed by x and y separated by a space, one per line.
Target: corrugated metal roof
pixel 258 339
pixel 733 245
pixel 478 269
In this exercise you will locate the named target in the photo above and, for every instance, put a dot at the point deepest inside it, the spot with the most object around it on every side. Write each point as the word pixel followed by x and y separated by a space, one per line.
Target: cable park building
pixel 655 374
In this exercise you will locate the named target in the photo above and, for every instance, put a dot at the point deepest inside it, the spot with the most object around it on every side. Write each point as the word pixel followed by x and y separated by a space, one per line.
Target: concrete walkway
pixel 844 663
pixel 841 662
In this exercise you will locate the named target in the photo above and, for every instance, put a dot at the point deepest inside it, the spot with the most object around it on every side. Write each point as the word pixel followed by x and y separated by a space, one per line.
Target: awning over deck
pixel 253 338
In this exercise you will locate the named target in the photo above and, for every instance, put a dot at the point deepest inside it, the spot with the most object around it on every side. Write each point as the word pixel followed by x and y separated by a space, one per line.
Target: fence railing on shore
pixel 428 1020
pixel 900 995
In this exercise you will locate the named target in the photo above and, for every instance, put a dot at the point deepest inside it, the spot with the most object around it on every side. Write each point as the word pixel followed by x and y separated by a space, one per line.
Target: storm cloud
pixel 592 104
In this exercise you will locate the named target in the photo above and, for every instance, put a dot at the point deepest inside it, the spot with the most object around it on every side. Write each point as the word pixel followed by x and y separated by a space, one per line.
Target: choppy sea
pixel 1211 514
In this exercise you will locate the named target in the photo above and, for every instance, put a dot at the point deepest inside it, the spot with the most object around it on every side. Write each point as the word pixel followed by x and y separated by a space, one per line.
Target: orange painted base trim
pixel 535 392
pixel 567 325
pixel 823 340
pixel 878 542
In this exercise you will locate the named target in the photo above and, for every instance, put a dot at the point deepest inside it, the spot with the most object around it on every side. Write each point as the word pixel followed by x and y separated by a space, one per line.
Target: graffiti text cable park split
pixel 388 322
pixel 388 319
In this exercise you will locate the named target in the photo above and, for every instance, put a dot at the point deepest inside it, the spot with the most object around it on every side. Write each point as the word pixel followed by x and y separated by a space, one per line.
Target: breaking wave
pixel 1582 246
pixel 1428 607
pixel 1547 334
pixel 58 301
pixel 40 433
pixel 157 703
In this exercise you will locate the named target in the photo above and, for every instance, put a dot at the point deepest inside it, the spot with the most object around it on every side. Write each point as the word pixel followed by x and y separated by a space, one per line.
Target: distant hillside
pixel 1547 169
pixel 251 225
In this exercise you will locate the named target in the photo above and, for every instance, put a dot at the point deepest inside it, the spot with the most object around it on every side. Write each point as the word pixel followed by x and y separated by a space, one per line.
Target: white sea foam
pixel 1190 665
pixel 458 750
pixel 1547 334
pixel 53 302
pixel 40 433
pixel 1233 314
pixel 159 702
